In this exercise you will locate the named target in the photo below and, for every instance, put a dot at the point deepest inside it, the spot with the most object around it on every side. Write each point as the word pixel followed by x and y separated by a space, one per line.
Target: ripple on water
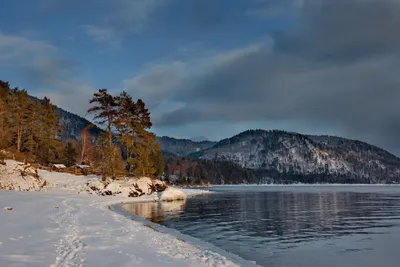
pixel 306 227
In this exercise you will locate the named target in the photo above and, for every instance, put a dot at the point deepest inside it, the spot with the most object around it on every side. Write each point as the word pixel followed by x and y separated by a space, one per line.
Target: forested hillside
pixel 284 156
pixel 36 131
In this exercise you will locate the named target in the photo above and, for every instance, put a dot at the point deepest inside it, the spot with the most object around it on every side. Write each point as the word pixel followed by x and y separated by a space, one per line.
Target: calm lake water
pixel 328 226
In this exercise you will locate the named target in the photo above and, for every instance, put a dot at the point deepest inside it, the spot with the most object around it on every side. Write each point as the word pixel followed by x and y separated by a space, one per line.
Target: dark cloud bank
pixel 339 65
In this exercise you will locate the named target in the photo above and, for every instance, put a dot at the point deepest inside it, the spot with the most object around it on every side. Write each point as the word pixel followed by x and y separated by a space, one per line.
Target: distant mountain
pixel 73 125
pixel 278 155
pixel 182 147
pixel 198 138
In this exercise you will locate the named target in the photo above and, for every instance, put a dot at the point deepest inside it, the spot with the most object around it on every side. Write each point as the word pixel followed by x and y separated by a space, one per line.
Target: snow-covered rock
pixel 171 194
pixel 129 191
pixel 159 185
pixel 113 188
pixel 130 188
pixel 96 186
pixel 147 185
pixel 20 177
pixel 144 184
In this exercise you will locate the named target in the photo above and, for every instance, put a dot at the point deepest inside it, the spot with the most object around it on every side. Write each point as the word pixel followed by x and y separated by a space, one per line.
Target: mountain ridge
pixel 278 153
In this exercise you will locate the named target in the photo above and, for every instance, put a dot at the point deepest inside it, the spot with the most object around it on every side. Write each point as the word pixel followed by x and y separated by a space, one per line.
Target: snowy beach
pixel 64 226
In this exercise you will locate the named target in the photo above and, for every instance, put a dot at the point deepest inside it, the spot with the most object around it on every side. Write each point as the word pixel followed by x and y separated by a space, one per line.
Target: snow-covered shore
pixel 64 226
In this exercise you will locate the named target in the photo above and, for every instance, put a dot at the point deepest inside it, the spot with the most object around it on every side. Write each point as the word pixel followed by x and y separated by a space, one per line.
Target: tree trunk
pixel 19 138
pixel 83 148
pixel 109 130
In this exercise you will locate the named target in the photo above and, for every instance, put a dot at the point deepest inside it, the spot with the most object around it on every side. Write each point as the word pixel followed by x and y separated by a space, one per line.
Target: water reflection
pixel 259 225
pixel 156 212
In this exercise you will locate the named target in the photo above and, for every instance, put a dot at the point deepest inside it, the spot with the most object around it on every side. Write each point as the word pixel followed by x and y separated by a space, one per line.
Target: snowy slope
pixel 299 157
pixel 61 227
pixel 182 147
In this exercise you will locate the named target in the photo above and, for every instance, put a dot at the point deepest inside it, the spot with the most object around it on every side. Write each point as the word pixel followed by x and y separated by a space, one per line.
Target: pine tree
pixel 49 143
pixel 18 105
pixel 32 128
pixel 69 154
pixel 109 158
pixel 125 122
pixel 104 111
pixel 157 160
pixel 2 126
pixel 132 121
pixel 147 155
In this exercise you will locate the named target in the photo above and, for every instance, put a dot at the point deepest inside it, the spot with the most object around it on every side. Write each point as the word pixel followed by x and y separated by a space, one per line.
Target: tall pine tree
pixel 18 115
pixel 49 143
pixel 104 110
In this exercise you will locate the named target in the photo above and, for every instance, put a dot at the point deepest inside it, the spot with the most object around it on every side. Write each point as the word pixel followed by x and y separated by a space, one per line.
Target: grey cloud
pixel 49 72
pixel 14 48
pixel 100 34
pixel 131 16
pixel 60 81
pixel 337 66
pixel 156 82
pixel 343 30
pixel 271 9
pixel 121 18
pixel 115 19
pixel 44 72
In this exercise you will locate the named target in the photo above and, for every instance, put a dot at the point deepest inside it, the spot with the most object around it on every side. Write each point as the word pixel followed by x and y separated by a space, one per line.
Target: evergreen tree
pixel 124 122
pixel 104 110
pixel 32 128
pixel 2 126
pixel 69 154
pixel 18 102
pixel 147 155
pixel 109 158
pixel 132 124
pixel 157 160
pixel 49 143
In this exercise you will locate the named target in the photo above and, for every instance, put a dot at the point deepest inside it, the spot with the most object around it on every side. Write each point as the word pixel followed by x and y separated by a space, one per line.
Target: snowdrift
pixel 171 194
pixel 20 177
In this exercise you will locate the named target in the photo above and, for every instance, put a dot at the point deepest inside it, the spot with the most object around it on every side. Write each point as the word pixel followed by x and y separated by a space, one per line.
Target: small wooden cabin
pixel 82 169
pixel 57 167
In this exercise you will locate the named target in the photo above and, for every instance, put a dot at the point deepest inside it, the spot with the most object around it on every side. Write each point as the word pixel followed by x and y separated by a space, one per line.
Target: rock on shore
pixel 133 187
pixel 20 177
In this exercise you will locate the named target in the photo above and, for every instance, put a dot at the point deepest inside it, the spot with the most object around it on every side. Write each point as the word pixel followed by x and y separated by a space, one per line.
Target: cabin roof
pixel 59 166
pixel 82 166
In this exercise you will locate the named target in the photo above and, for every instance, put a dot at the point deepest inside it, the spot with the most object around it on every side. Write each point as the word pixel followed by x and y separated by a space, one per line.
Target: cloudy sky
pixel 213 68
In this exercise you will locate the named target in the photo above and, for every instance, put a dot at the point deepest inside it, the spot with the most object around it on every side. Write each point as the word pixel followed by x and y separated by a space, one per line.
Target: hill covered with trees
pixel 284 157
pixel 36 131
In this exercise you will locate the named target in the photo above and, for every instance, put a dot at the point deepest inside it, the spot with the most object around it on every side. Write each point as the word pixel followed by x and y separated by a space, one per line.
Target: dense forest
pixel 31 130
